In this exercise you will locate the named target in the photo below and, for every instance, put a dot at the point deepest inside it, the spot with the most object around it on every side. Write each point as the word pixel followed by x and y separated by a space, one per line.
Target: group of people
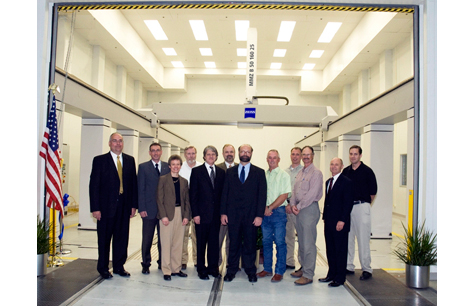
pixel 230 200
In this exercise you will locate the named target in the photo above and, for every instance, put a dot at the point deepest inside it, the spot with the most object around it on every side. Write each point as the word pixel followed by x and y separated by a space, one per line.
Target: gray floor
pixel 151 289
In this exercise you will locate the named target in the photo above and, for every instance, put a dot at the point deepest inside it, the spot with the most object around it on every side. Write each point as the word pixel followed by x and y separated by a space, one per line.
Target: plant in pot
pixel 44 245
pixel 418 251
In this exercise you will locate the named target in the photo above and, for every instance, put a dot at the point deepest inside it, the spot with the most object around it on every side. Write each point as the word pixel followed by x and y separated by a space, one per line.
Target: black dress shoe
pixel 183 266
pixel 123 273
pixel 290 267
pixel 145 270
pixel 229 277
pixel 181 274
pixel 106 275
pixel 167 277
pixel 325 280
pixel 252 278
pixel 335 284
pixel 349 272
pixel 365 275
pixel 215 274
pixel 203 276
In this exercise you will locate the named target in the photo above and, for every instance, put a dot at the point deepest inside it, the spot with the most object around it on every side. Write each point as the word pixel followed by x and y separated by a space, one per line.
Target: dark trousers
pixel 148 232
pixel 115 228
pixel 337 252
pixel 207 238
pixel 243 237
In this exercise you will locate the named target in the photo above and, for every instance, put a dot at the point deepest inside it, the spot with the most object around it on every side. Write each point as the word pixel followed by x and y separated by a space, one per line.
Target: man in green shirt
pixel 274 222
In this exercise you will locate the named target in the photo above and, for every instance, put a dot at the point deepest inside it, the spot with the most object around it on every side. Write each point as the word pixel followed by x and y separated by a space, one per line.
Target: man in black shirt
pixel 365 189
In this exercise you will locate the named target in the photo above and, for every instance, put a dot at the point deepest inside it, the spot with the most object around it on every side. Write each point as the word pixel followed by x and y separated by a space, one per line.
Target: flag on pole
pixel 49 151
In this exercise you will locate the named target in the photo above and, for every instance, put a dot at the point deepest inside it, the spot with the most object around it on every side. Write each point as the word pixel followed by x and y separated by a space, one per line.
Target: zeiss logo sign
pixel 250 113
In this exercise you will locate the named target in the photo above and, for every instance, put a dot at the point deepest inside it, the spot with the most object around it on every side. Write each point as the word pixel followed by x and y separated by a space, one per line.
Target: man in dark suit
pixel 337 210
pixel 147 180
pixel 242 207
pixel 113 201
pixel 207 181
pixel 229 156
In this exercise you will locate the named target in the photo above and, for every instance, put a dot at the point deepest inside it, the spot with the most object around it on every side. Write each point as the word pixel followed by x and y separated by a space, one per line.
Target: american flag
pixel 49 151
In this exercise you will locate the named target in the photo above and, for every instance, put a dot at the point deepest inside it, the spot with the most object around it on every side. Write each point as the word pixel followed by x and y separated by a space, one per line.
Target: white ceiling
pixel 221 33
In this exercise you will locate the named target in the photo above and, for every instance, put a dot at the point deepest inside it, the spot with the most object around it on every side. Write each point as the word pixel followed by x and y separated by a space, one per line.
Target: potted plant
pixel 44 244
pixel 418 251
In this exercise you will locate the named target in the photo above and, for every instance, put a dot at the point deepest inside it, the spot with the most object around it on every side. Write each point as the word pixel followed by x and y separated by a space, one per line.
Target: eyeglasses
pixel 117 140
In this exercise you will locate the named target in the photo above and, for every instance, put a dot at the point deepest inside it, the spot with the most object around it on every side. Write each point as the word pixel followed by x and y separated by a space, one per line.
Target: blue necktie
pixel 242 175
pixel 157 170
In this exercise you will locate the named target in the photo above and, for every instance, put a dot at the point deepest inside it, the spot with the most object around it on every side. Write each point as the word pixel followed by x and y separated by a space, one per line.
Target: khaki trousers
pixel 360 229
pixel 171 237
pixel 193 243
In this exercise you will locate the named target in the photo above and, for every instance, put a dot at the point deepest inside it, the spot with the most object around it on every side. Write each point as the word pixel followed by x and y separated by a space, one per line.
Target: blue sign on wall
pixel 250 113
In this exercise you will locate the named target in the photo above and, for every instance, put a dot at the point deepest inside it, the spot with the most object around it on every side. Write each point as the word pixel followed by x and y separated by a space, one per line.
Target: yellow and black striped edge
pixel 235 6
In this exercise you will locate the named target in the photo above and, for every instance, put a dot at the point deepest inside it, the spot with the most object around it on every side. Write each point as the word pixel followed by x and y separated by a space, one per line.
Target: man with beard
pixel 242 207
pixel 228 155
pixel 185 172
pixel 304 205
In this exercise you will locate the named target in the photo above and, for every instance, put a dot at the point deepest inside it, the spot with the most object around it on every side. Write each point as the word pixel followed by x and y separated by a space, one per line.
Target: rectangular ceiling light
pixel 279 52
pixel 329 32
pixel 156 29
pixel 286 29
pixel 308 66
pixel 198 28
pixel 206 51
pixel 241 65
pixel 210 65
pixel 169 51
pixel 241 29
pixel 241 51
pixel 275 66
pixel 316 53
pixel 177 64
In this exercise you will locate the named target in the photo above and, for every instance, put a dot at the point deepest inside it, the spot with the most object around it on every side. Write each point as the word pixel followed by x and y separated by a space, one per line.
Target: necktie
pixel 212 176
pixel 120 173
pixel 242 175
pixel 230 165
pixel 330 185
pixel 157 170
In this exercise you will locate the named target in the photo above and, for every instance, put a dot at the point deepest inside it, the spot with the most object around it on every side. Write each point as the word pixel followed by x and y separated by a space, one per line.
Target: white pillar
pixel 386 70
pixel 137 103
pixel 98 67
pixel 121 84
pixel 175 150
pixel 130 143
pixel 166 151
pixel 377 146
pixel 363 87
pixel 144 148
pixel 344 143
pixel 329 150
pixel 94 141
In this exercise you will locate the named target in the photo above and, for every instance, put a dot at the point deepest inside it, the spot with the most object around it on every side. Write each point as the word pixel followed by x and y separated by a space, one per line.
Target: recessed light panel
pixel 156 29
pixel 286 29
pixel 329 32
pixel 241 29
pixel 210 65
pixel 206 51
pixel 198 28
pixel 279 52
pixel 275 66
pixel 316 53
pixel 177 64
pixel 308 66
pixel 169 51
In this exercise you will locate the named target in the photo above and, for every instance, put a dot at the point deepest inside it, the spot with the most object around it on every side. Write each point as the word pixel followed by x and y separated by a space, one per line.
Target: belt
pixel 360 202
pixel 178 205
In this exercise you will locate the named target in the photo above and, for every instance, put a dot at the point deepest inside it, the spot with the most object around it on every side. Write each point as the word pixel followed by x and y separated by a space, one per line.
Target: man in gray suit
pixel 229 156
pixel 147 178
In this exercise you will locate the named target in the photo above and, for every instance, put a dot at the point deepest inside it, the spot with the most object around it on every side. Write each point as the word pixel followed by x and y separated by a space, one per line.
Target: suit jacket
pixel 204 198
pixel 338 203
pixel 147 182
pixel 165 198
pixel 248 198
pixel 223 166
pixel 105 184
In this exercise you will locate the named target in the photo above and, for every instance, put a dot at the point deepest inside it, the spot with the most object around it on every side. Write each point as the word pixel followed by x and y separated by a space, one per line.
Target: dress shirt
pixel 210 170
pixel 185 171
pixel 228 165
pixel 247 170
pixel 159 165
pixel 278 183
pixel 114 157
pixel 307 188
pixel 293 173
pixel 333 182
